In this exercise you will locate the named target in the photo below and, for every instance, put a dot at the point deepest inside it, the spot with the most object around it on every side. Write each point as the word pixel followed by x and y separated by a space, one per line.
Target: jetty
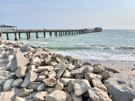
pixel 57 32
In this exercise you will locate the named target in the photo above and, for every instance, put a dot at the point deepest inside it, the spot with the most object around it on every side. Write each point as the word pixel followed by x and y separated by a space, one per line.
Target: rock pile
pixel 40 75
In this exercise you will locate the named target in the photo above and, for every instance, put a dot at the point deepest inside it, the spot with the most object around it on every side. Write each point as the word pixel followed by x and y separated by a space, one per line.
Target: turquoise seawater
pixel 108 45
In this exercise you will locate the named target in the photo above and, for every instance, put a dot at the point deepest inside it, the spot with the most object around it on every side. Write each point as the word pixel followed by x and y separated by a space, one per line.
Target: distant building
pixel 4 28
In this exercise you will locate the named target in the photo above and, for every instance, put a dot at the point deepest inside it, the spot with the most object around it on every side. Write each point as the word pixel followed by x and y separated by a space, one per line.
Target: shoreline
pixel 30 73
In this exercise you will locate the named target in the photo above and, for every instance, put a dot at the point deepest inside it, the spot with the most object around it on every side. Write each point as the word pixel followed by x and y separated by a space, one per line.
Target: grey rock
pixel 30 76
pixel 17 82
pixel 24 92
pixel 76 98
pixel 107 74
pixel 8 84
pixel 59 86
pixel 121 87
pixel 90 76
pixel 98 68
pixel 41 87
pixel 61 71
pixel 21 71
pixel 34 85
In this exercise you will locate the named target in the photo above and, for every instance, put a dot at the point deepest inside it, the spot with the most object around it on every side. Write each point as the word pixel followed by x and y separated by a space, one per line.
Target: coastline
pixel 35 73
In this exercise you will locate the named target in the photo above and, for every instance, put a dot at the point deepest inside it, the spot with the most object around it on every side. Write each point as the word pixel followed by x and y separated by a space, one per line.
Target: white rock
pixel 98 68
pixel 21 71
pixel 90 76
pixel 19 99
pixel 66 74
pixel 6 96
pixel 40 96
pixel 57 95
pixel 45 68
pixel 81 86
pixel 97 94
pixel 59 86
pixel 50 82
pixel 52 74
pixel 97 83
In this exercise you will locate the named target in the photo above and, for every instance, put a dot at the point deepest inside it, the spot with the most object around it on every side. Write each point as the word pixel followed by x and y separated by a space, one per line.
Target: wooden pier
pixel 60 32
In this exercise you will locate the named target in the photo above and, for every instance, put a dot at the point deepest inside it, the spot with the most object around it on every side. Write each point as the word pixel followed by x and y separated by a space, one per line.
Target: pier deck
pixel 56 32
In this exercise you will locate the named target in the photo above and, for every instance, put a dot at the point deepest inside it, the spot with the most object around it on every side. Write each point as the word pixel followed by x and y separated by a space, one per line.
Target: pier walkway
pixel 56 32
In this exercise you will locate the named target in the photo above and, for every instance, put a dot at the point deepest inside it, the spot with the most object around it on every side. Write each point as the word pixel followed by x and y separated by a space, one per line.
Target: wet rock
pixel 61 71
pixel 98 95
pixel 57 95
pixel 8 84
pixel 21 71
pixel 97 83
pixel 17 82
pixel 40 96
pixel 81 86
pixel 30 76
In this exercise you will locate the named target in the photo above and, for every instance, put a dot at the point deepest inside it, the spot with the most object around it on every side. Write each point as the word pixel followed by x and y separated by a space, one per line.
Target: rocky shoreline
pixel 36 74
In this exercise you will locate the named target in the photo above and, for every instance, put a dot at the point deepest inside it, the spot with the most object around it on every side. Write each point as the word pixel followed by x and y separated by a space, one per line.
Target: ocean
pixel 108 45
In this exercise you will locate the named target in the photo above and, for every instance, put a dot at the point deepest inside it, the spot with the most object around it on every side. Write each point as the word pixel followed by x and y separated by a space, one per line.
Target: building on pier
pixel 5 28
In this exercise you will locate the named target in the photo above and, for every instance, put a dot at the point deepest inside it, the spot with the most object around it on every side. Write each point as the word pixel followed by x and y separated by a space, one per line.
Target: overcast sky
pixel 52 14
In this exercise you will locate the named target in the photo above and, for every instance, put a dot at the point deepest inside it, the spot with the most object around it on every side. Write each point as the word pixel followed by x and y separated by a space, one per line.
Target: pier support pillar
pixel 27 35
pixel 37 35
pixel 65 33
pixel 50 33
pixel 7 36
pixel 69 33
pixel 72 32
pixel 44 34
pixel 0 34
pixel 55 33
pixel 15 36
pixel 19 35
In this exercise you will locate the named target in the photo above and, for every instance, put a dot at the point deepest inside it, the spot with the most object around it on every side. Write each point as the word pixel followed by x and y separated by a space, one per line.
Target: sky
pixel 61 14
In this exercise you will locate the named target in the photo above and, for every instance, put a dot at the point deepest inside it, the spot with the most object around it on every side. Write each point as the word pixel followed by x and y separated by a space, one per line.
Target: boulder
pixel 34 85
pixel 81 86
pixel 44 68
pixel 97 94
pixel 21 71
pixel 57 95
pixel 30 76
pixel 65 81
pixel 70 86
pixel 77 63
pixel 8 84
pixel 17 82
pixel 66 74
pixel 98 68
pixel 87 68
pixel 6 96
pixel 18 60
pixel 19 99
pixel 61 71
pixel 51 74
pixel 41 87
pixel 59 86
pixel 24 92
pixel 107 74
pixel 76 98
pixel 97 83
pixel 50 82
pixel 26 48
pixel 70 67
pixel 90 76
pixel 121 87
pixel 40 96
